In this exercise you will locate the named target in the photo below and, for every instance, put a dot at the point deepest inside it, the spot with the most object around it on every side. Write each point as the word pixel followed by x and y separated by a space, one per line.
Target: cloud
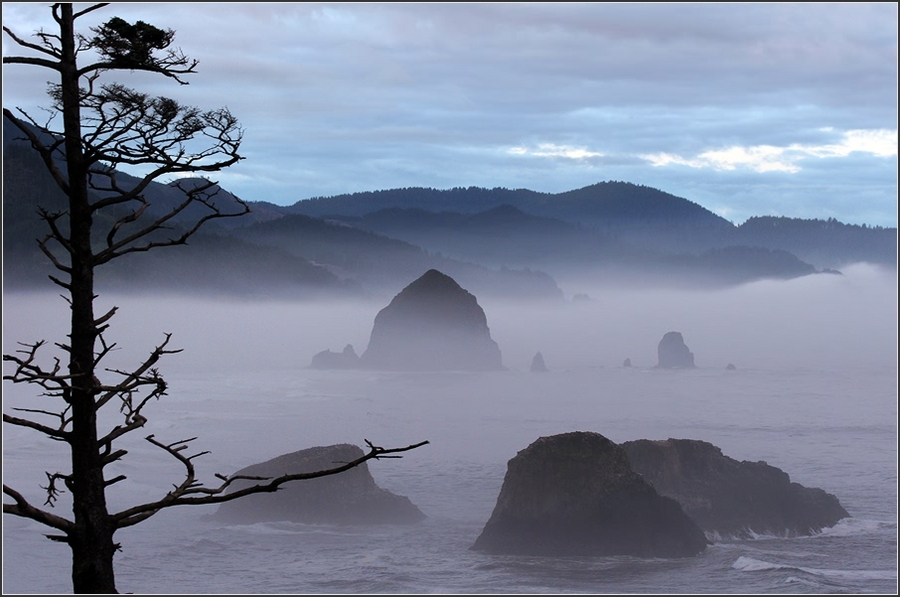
pixel 552 150
pixel 553 97
pixel 770 158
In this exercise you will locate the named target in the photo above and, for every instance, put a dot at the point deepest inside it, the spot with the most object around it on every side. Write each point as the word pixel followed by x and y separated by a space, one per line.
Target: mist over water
pixel 814 393
pixel 820 321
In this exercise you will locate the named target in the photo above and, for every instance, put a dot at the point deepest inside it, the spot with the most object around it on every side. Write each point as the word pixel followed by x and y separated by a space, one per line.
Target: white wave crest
pixel 858 526
pixel 748 564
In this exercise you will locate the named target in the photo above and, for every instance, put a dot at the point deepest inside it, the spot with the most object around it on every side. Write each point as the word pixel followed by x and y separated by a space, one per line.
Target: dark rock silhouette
pixel 537 363
pixel 350 497
pixel 575 494
pixel 627 363
pixel 432 324
pixel 336 360
pixel 732 498
pixel 730 367
pixel 674 353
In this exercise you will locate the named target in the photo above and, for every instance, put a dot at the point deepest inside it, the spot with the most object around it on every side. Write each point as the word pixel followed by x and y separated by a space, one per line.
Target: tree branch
pixel 25 510
pixel 196 195
pixel 47 49
pixel 59 434
pixel 184 493
pixel 90 9
pixel 45 152
pixel 56 383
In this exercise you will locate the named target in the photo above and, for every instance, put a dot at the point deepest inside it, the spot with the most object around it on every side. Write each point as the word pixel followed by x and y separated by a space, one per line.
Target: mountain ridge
pixel 498 241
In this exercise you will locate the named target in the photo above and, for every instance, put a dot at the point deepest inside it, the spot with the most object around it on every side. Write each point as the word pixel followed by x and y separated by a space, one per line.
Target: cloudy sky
pixel 749 109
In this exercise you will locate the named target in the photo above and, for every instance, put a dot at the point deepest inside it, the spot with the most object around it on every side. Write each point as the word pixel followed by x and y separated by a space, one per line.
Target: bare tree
pixel 105 127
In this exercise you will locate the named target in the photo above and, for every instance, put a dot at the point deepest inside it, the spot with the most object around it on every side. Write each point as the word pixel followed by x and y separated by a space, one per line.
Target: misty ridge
pixel 513 244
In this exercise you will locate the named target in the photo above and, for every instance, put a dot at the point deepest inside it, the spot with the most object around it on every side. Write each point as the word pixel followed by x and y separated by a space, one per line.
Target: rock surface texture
pixel 433 324
pixel 731 498
pixel 575 494
pixel 350 497
pixel 674 353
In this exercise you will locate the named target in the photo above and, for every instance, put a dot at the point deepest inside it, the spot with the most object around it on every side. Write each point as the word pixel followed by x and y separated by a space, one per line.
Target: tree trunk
pixel 92 540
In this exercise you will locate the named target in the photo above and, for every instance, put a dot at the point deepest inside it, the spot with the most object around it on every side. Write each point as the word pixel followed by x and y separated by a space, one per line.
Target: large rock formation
pixel 432 324
pixel 350 497
pixel 674 353
pixel 575 494
pixel 732 498
pixel 336 360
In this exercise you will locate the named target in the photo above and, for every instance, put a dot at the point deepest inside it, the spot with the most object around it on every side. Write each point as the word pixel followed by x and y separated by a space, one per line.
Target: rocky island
pixel 673 352
pixel 574 494
pixel 731 498
pixel 348 498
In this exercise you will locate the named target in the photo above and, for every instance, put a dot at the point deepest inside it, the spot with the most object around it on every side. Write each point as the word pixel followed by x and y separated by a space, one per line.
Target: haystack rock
pixel 627 363
pixel 336 360
pixel 350 497
pixel 730 498
pixel 537 363
pixel 674 353
pixel 575 494
pixel 432 324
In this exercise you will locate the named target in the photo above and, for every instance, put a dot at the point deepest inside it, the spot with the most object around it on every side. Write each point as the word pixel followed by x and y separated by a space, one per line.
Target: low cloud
pixel 771 158
pixel 551 150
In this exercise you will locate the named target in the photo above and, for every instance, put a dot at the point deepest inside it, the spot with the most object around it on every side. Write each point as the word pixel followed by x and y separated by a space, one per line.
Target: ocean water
pixel 814 393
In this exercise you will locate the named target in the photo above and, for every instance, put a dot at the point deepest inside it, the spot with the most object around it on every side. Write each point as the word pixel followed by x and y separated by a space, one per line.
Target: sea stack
pixel 537 364
pixel 574 494
pixel 336 360
pixel 674 353
pixel 431 325
pixel 350 497
pixel 731 498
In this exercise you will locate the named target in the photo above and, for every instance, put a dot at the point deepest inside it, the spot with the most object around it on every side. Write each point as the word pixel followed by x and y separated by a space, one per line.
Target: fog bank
pixel 821 321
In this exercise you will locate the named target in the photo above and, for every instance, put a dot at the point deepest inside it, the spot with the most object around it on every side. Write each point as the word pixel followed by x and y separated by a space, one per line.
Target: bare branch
pixel 27 371
pixel 25 510
pixel 55 234
pixel 125 246
pixel 45 49
pixel 51 489
pixel 54 433
pixel 101 320
pixel 45 152
pixel 137 378
pixel 90 9
pixel 185 492
pixel 115 480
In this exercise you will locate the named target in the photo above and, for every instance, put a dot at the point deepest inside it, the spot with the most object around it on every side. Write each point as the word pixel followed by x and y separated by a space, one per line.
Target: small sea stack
pixel 673 352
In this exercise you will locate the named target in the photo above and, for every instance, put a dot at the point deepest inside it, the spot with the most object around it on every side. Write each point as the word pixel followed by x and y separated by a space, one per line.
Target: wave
pixel 846 527
pixel 748 564
pixel 859 526
pixel 284 527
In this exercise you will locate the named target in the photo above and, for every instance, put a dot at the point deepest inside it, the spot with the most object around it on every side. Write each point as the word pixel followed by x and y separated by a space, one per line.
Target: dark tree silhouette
pixel 105 127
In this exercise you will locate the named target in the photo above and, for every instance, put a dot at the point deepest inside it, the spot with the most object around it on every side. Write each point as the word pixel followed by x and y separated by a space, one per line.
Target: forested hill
pixel 827 242
pixel 601 203
pixel 498 241
pixel 618 213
